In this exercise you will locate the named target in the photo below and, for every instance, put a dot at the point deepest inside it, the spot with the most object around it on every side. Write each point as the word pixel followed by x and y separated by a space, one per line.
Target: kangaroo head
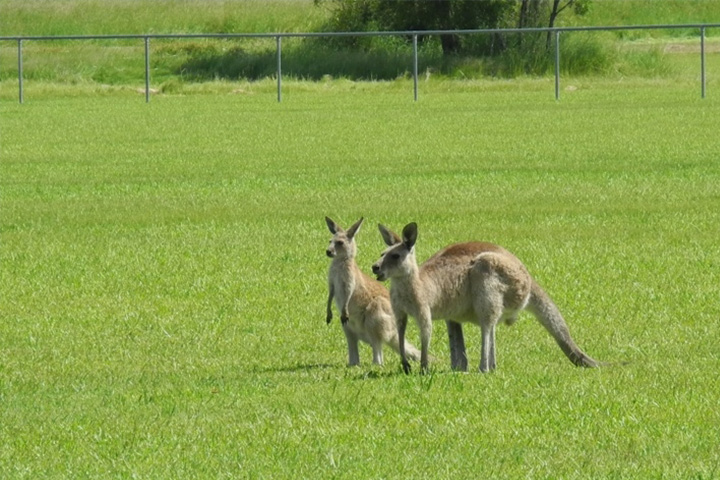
pixel 342 244
pixel 399 258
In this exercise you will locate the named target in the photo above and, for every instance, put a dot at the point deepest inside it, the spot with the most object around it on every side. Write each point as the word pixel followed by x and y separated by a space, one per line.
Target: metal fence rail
pixel 556 31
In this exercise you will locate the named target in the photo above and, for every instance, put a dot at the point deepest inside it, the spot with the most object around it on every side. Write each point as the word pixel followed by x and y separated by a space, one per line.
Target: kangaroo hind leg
pixel 377 349
pixel 487 356
pixel 458 355
pixel 500 287
pixel 488 305
pixel 352 344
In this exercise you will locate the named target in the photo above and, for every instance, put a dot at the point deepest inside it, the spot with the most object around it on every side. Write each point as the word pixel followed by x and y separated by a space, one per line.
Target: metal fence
pixel 555 32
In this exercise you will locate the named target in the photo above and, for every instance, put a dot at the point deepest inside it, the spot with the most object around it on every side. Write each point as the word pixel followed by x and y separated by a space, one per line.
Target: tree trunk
pixel 450 44
pixel 553 15
pixel 444 21
pixel 522 19
pixel 529 16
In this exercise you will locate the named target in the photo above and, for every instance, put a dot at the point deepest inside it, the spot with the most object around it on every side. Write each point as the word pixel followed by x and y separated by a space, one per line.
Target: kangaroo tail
pixel 550 317
pixel 411 352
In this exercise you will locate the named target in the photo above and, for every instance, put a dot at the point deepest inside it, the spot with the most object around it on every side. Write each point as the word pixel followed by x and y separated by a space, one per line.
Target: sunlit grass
pixel 99 17
pixel 163 280
pixel 650 12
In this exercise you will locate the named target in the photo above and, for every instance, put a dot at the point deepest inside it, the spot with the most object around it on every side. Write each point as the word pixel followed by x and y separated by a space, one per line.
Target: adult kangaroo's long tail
pixel 550 317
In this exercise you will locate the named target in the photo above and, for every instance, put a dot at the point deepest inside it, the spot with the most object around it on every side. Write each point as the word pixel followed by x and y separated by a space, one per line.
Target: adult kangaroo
pixel 474 282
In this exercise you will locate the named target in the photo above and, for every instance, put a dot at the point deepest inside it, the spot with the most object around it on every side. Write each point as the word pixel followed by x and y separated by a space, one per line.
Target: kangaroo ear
pixel 332 226
pixel 355 228
pixel 391 238
pixel 410 235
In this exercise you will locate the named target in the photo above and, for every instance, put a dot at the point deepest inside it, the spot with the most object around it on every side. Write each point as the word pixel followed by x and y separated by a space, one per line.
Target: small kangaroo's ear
pixel 389 237
pixel 355 228
pixel 410 235
pixel 332 226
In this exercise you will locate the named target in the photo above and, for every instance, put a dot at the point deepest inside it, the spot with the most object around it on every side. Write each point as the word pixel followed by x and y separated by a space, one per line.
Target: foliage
pixel 366 15
pixel 526 53
pixel 369 15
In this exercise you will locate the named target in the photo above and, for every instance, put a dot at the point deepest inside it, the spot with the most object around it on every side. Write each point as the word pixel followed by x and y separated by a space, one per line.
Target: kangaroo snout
pixel 329 253
pixel 376 271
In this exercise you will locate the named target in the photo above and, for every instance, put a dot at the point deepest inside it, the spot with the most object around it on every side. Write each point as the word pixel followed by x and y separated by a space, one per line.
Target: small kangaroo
pixel 472 282
pixel 364 304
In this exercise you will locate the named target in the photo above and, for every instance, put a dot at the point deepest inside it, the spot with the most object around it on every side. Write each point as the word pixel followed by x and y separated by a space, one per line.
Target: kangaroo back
pixel 550 317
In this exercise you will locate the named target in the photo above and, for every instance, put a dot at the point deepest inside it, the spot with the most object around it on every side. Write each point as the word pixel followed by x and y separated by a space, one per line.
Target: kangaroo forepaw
pixel 328 319
pixel 406 367
pixel 344 319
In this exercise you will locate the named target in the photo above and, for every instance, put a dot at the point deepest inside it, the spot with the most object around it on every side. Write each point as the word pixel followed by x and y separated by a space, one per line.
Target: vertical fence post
pixel 279 68
pixel 20 71
pixel 147 69
pixel 557 65
pixel 415 67
pixel 702 62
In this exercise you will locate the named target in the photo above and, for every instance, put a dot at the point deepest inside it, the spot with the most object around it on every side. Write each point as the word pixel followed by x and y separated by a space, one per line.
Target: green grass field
pixel 162 267
pixel 162 281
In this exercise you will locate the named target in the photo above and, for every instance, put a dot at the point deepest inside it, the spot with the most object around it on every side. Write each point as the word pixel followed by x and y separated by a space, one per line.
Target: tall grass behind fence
pixel 203 57
pixel 175 63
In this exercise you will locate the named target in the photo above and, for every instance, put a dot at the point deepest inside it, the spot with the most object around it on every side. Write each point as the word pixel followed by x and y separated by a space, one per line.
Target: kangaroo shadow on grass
pixel 395 371
pixel 361 373
pixel 298 367
pixel 351 373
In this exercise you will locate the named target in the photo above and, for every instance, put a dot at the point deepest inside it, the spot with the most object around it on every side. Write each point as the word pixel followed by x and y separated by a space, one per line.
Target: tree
pixel 359 15
pixel 533 12
pixel 392 15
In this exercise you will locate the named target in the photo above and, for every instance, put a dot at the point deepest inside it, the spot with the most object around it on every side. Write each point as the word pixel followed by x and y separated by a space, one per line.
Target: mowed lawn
pixel 163 282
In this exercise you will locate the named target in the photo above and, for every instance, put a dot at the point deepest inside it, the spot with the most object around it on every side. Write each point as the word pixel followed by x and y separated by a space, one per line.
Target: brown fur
pixel 364 303
pixel 474 282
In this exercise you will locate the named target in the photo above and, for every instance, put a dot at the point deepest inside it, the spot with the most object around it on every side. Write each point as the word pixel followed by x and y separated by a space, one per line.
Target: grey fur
pixel 474 282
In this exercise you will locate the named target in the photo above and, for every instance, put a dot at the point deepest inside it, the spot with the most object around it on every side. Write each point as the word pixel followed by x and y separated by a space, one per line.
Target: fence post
pixel 20 71
pixel 557 65
pixel 415 67
pixel 147 69
pixel 279 68
pixel 702 62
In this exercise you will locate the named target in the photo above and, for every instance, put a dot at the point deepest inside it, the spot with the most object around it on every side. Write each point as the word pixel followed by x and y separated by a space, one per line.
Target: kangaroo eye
pixel 339 243
pixel 395 256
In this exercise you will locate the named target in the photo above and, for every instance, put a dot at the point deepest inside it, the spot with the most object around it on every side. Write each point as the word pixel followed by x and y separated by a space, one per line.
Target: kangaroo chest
pixel 344 283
